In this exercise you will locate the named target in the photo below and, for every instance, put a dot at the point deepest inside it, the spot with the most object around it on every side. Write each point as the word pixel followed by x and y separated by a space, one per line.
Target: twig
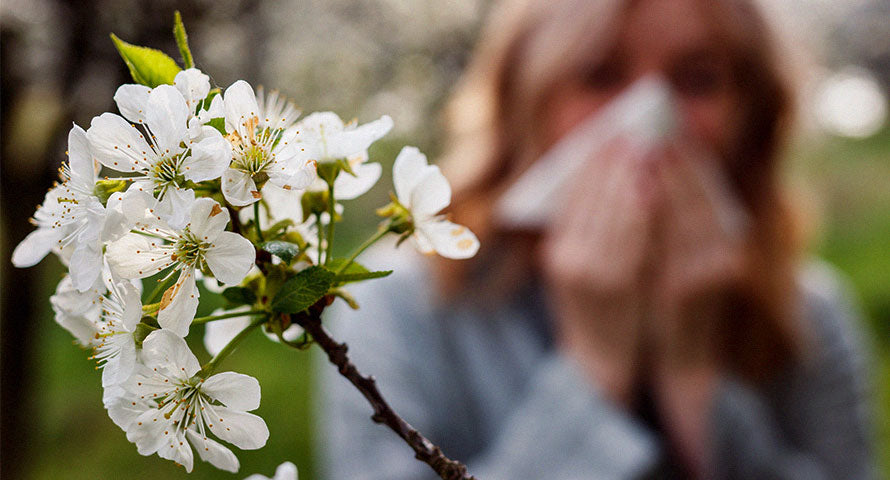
pixel 424 450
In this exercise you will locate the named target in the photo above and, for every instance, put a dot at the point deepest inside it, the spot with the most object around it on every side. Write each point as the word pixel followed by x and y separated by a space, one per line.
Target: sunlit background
pixel 359 59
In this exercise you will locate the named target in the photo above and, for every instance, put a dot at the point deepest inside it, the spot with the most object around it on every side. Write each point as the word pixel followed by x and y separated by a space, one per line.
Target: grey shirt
pixel 488 386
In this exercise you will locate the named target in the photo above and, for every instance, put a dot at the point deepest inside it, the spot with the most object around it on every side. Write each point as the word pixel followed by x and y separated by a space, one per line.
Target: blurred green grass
pixel 73 438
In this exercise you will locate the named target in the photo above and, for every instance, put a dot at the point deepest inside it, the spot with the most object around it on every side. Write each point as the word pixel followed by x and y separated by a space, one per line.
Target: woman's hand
pixel 593 258
pixel 701 234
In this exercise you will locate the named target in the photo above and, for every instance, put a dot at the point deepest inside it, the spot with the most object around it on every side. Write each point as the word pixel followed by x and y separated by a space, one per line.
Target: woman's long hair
pixel 528 48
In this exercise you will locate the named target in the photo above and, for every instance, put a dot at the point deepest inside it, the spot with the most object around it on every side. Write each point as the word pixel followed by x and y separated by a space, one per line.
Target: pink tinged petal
pixel 431 194
pixel 240 106
pixel 239 188
pixel 85 266
pixel 244 430
pixel 409 169
pixel 209 159
pixel 164 349
pixel 35 246
pixel 219 333
pixel 234 390
pixel 351 142
pixel 176 448
pixel 80 159
pixel 194 86
pixel 450 240
pixel 118 145
pixel 230 257
pixel 147 431
pixel 131 100
pixel 167 118
pixel 179 304
pixel 207 219
pixel 137 256
pixel 213 452
pixel 347 187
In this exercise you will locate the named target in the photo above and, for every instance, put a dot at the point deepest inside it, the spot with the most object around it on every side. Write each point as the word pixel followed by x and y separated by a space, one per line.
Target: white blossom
pixel 325 137
pixel 168 152
pixel 285 471
pixel 71 220
pixel 203 243
pixel 261 133
pixel 423 191
pixel 166 408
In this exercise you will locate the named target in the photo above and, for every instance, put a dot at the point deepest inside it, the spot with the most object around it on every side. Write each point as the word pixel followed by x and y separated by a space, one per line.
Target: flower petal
pixel 213 452
pixel 409 169
pixel 147 431
pixel 194 86
pixel 207 219
pixel 167 117
pixel 131 100
pixel 80 159
pixel 450 240
pixel 244 430
pixel 177 449
pixel 209 158
pixel 122 410
pixel 35 246
pixel 118 145
pixel 347 187
pixel 230 257
pixel 164 349
pixel 179 304
pixel 137 256
pixel 240 106
pixel 174 207
pixel 219 333
pixel 431 194
pixel 234 390
pixel 351 142
pixel 238 188
pixel 118 369
pixel 85 266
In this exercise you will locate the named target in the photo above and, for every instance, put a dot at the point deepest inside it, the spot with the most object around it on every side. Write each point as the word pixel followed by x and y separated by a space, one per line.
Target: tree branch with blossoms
pixel 229 187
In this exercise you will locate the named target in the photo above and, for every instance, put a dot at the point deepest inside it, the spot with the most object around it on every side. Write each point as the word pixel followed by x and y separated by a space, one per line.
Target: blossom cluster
pixel 229 187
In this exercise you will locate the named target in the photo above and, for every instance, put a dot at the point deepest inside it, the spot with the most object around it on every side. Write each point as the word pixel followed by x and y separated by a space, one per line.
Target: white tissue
pixel 645 115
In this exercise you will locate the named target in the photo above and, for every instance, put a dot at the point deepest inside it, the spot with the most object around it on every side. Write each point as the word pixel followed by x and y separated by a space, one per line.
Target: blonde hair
pixel 527 49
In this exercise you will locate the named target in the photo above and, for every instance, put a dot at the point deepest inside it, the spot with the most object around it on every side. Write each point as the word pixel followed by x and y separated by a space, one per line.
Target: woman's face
pixel 671 38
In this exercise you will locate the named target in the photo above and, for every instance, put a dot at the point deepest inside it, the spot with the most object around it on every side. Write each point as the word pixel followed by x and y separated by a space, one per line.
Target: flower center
pixel 166 171
pixel 189 250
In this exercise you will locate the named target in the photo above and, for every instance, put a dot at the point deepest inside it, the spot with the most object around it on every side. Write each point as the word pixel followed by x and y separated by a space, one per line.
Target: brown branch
pixel 424 450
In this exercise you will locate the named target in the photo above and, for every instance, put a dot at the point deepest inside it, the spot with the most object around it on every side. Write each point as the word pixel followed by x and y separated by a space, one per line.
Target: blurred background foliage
pixel 360 59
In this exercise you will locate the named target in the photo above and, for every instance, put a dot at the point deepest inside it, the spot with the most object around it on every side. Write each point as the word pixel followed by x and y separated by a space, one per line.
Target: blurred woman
pixel 661 322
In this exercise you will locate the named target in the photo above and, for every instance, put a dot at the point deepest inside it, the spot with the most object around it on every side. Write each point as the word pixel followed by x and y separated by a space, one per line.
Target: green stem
pixel 256 220
pixel 331 209
pixel 223 316
pixel 151 308
pixel 371 241
pixel 320 238
pixel 163 284
pixel 229 348
pixel 182 40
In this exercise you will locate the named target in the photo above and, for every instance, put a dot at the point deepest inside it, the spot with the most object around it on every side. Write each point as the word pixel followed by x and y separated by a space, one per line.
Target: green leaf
pixel 182 40
pixel 148 66
pixel 239 295
pixel 354 272
pixel 219 124
pixel 355 277
pixel 286 251
pixel 303 290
